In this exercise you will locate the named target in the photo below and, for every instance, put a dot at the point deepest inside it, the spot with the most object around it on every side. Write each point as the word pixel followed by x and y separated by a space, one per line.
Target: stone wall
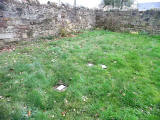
pixel 129 21
pixel 23 21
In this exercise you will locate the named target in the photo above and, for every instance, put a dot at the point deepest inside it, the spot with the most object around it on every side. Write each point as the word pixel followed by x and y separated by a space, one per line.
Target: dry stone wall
pixel 23 21
pixel 130 21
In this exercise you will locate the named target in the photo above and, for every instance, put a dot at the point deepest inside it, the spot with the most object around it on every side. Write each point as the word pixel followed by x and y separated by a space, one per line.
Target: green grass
pixel 129 89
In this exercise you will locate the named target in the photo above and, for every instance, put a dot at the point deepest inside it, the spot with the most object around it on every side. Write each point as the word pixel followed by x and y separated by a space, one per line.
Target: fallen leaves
pixel 64 113
pixel 8 49
pixel 65 101
pixel 29 113
pixel 103 66
pixel 53 60
pixel 84 98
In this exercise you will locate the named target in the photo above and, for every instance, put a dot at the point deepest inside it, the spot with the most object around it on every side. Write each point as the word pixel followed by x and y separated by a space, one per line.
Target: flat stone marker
pixel 61 88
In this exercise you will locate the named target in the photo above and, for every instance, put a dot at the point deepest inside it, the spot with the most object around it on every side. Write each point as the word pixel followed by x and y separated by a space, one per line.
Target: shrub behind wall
pixel 128 21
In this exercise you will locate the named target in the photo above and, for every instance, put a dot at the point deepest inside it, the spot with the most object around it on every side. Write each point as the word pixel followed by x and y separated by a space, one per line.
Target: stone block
pixel 7 35
pixel 3 24
pixel 6 19
pixel 24 35
pixel 10 40
pixel 1 14
pixel 1 43
pixel 22 27
pixel 51 32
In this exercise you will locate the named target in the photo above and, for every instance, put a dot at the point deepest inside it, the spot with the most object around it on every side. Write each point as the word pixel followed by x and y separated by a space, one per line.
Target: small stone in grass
pixel 90 64
pixel 124 94
pixel 1 97
pixel 115 62
pixel 64 113
pixel 104 67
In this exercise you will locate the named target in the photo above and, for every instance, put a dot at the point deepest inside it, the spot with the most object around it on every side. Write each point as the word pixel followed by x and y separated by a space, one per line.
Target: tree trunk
pixel 75 6
pixel 122 1
pixel 113 3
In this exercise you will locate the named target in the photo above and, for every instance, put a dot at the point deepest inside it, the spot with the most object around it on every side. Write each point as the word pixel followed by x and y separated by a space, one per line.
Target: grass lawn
pixel 129 89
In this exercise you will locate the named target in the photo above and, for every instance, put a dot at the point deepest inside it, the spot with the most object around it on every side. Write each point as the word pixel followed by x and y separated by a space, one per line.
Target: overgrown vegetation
pixel 118 3
pixel 111 23
pixel 129 89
